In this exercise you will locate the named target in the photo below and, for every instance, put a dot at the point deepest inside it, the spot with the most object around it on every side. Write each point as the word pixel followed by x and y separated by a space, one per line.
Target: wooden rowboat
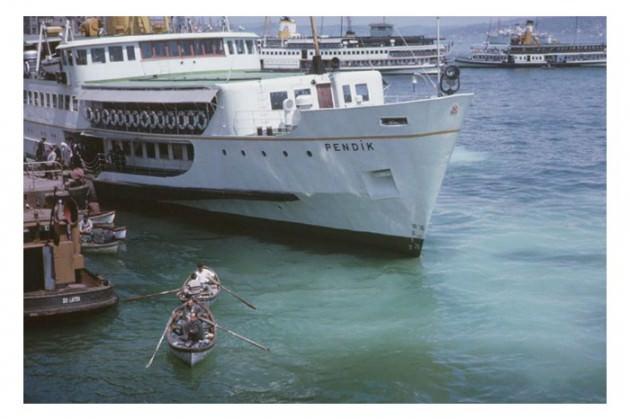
pixel 118 232
pixel 106 217
pixel 206 292
pixel 178 335
pixel 107 247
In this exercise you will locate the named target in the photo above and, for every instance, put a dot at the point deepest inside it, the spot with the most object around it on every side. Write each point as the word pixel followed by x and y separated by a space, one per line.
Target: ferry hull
pixel 377 182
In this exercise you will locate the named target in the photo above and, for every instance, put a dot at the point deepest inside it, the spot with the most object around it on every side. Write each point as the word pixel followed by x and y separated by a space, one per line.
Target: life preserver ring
pixel 171 120
pixel 182 120
pixel 192 119
pixel 126 117
pixel 202 120
pixel 106 117
pixel 144 119
pixel 153 118
pixel 134 119
pixel 114 117
pixel 161 120
pixel 97 116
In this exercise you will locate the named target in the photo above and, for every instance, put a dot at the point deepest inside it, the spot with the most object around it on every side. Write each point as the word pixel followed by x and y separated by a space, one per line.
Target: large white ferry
pixel 382 50
pixel 201 126
pixel 522 47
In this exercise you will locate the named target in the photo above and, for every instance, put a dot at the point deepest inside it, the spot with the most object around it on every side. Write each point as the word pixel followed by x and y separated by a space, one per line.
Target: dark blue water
pixel 507 304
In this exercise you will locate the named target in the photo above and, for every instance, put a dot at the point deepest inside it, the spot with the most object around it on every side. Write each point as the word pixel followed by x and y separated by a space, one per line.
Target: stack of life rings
pixel 150 120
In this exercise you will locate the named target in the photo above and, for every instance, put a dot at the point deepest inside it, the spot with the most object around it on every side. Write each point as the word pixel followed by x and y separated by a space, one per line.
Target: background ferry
pixel 382 50
pixel 525 48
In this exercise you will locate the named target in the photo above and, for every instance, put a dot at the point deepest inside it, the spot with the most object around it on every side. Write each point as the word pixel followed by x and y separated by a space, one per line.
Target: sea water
pixel 507 303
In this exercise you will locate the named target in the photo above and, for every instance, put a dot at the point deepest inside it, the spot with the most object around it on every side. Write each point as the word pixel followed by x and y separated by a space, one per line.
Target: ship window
pixel 190 152
pixel 178 152
pixel 218 46
pixel 75 104
pixel 25 97
pixel 276 99
pixel 137 149
pixel 47 100
pixel 126 146
pixel 115 54
pixel 172 49
pixel 98 55
pixel 251 47
pixel 81 57
pixel 240 46
pixel 68 54
pixel 163 148
pixel 146 50
pixel 185 48
pixel 302 92
pixel 150 150
pixel 131 53
pixel 362 90
pixel 347 94
pixel 230 45
pixel 54 100
pixel 198 46
pixel 29 97
pixel 66 102
pixel 159 49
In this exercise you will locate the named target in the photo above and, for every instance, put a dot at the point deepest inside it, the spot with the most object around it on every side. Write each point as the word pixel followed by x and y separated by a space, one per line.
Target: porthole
pixel 285 154
pixel 308 153
pixel 263 153
pixel 243 152
pixel 224 152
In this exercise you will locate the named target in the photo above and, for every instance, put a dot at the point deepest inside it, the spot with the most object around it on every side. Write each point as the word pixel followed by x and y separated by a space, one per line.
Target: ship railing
pixel 262 122
pixel 38 170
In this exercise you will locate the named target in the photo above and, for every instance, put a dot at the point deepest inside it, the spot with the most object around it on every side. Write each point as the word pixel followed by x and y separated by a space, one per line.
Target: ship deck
pixel 189 80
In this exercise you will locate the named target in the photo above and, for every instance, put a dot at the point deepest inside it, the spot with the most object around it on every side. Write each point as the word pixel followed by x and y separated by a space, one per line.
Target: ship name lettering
pixel 360 146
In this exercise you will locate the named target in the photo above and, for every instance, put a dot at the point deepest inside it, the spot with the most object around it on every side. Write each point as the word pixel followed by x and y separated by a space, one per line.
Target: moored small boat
pixel 118 232
pixel 105 217
pixel 191 333
pixel 107 247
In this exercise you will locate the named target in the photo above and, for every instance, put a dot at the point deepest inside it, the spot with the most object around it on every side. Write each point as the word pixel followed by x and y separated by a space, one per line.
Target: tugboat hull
pixel 80 297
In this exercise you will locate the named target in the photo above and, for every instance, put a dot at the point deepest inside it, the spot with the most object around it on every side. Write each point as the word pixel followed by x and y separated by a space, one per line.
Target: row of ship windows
pixel 361 63
pixel 264 153
pixel 115 53
pixel 196 48
pixel 163 151
pixel 51 100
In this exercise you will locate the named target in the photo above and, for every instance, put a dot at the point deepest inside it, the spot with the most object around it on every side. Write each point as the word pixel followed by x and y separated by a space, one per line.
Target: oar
pixel 162 337
pixel 232 293
pixel 248 340
pixel 155 294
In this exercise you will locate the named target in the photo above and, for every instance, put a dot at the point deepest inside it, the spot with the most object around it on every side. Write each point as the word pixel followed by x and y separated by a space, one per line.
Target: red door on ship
pixel 324 95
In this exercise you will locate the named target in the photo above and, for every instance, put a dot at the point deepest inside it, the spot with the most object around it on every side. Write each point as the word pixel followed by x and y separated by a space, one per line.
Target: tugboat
pixel 56 281
pixel 525 48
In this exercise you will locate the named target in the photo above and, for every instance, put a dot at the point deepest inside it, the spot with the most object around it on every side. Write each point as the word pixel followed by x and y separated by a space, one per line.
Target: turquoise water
pixel 507 303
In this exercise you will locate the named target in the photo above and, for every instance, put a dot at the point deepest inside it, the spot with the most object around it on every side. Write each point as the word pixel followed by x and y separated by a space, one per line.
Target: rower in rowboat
pixel 203 285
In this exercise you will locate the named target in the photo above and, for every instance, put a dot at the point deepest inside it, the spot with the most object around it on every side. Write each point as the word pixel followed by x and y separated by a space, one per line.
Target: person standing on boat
pixel 40 153
pixel 66 155
pixel 85 226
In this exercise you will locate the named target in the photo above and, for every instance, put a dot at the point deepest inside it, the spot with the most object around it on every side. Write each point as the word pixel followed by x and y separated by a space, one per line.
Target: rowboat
pixel 191 341
pixel 105 217
pixel 200 288
pixel 110 247
pixel 117 232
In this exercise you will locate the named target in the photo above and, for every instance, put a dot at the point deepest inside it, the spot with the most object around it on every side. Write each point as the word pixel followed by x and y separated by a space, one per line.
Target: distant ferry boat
pixel 524 48
pixel 381 50
pixel 201 126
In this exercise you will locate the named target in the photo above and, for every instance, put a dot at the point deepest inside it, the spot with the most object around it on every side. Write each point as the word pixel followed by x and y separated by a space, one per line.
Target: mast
pixel 317 59
pixel 438 55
